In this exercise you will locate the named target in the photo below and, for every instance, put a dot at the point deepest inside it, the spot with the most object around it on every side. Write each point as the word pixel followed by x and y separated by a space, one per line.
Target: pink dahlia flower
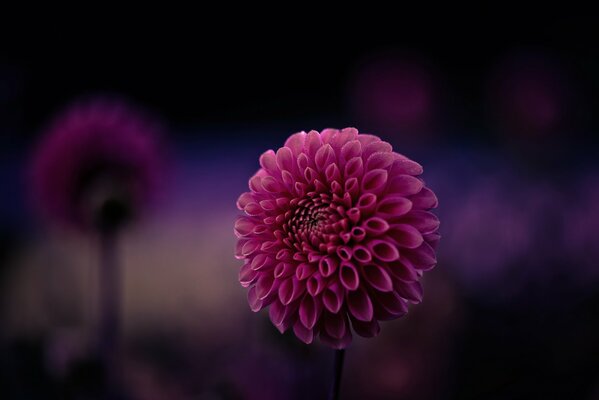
pixel 336 235
pixel 98 157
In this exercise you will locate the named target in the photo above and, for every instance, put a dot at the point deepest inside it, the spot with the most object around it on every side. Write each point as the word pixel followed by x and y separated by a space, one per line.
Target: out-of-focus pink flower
pixel 581 224
pixel 337 230
pixel 98 156
pixel 530 95
pixel 394 94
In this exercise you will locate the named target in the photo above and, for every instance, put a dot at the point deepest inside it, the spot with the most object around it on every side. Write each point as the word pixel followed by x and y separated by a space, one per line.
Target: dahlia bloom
pixel 336 231
pixel 98 157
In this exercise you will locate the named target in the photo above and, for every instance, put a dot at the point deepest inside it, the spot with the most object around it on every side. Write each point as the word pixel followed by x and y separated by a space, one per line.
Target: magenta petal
pixel 351 150
pixel 255 183
pixel 290 290
pixel 335 343
pixel 278 313
pixel 247 275
pixel 271 185
pixel 268 161
pixel 423 257
pixel 244 200
pixel 375 226
pixel 313 143
pixel 377 277
pixel 325 156
pixel 405 166
pixel 326 135
pixel 374 180
pixel 304 271
pixel 250 247
pixel 302 162
pixel 405 185
pixel 238 248
pixel 340 138
pixel 310 174
pixel 362 254
pixel 261 262
pixel 309 311
pixel 354 168
pixel 366 329
pixel 359 305
pixel 327 266
pixel 253 209
pixel 304 334
pixel 375 147
pixel 425 199
pixel 409 290
pixel 358 233
pixel 295 143
pixel 284 159
pixel 315 285
pixel 332 173
pixel 394 206
pixel 390 305
pixel 265 285
pixel 432 239
pixel 283 270
pixel 424 221
pixel 353 214
pixel 403 270
pixel 335 325
pixel 352 187
pixel 253 300
pixel 344 253
pixel 366 139
pixel 380 160
pixel 405 236
pixel 348 275
pixel 383 250
pixel 332 298
pixel 244 226
pixel 367 203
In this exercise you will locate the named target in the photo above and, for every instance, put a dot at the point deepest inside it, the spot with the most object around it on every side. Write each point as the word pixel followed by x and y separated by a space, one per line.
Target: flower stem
pixel 110 307
pixel 338 372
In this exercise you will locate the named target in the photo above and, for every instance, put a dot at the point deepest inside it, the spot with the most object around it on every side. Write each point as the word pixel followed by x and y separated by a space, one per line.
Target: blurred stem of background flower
pixel 110 304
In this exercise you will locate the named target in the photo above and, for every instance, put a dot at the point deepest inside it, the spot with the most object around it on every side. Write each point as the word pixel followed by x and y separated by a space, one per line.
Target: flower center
pixel 310 223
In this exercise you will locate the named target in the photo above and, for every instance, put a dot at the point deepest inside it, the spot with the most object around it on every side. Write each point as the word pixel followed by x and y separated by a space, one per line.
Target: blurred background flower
pixel 99 157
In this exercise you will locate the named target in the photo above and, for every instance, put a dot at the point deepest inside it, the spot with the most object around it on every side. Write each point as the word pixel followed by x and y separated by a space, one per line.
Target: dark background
pixel 500 328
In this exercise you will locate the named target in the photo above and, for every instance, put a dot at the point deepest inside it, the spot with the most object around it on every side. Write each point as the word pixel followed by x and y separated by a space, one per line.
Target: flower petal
pixel 268 161
pixel 296 142
pixel 336 325
pixel 404 185
pixel 348 276
pixel 253 300
pixel 304 334
pixel 332 297
pixel 383 250
pixel 362 254
pixel 377 277
pixel 360 305
pixel 405 236
pixel 366 329
pixel 395 206
pixel 382 160
pixel 374 180
pixel 375 226
pixel 309 311
pixel 327 266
